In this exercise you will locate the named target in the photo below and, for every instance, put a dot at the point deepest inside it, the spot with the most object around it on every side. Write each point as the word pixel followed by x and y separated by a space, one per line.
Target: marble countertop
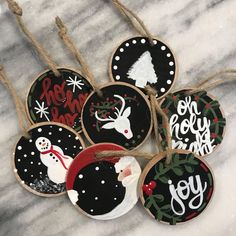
pixel 202 35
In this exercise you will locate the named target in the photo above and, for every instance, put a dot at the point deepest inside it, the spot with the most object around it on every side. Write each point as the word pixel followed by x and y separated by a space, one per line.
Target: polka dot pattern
pixel 137 62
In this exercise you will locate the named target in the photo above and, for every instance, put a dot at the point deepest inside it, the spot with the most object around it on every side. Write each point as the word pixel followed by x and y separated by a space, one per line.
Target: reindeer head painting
pixel 120 122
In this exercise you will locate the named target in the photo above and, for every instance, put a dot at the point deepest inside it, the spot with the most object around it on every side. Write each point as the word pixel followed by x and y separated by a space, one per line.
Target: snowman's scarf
pixel 58 155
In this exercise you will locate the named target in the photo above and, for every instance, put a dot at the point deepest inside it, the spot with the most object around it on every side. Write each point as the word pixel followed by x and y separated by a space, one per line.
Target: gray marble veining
pixel 201 33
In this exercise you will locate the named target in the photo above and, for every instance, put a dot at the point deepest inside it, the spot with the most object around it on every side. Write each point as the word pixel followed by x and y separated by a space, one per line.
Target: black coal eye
pixel 50 154
pixel 43 140
pixel 40 143
pixel 121 170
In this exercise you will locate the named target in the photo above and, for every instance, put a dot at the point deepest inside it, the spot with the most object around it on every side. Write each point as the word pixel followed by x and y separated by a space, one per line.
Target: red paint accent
pixel 191 216
pixel 152 185
pixel 147 190
pixel 213 135
pixel 54 96
pixel 209 193
pixel 86 157
pixel 126 131
pixel 204 167
pixel 208 106
pixel 58 155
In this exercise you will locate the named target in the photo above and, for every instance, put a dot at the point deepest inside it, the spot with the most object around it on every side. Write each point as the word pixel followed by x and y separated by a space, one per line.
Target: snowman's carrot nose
pixel 43 144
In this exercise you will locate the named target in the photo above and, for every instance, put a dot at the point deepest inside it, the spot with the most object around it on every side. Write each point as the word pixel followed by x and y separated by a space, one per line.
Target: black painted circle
pixel 96 200
pixel 58 99
pixel 29 168
pixel 138 63
pixel 156 194
pixel 180 108
pixel 135 106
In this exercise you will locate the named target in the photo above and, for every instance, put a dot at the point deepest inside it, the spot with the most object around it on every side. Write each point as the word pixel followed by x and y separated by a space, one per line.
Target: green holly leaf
pixel 189 168
pixel 166 208
pixel 159 215
pixel 173 221
pixel 160 167
pixel 178 170
pixel 175 158
pixel 163 179
pixel 158 198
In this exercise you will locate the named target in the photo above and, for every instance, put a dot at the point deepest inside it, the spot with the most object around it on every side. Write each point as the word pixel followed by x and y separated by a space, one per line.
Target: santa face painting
pixel 42 161
pixel 104 189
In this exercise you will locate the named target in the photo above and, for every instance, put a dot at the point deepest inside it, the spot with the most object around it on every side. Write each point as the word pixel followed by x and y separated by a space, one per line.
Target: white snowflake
pixel 75 83
pixel 42 110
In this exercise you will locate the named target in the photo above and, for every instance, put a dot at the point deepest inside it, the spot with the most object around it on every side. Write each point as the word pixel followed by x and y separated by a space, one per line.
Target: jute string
pixel 152 95
pixel 207 84
pixel 76 52
pixel 17 11
pixel 140 27
pixel 20 110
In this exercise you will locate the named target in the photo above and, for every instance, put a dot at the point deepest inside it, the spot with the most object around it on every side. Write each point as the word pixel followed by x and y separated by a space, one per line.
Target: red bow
pixel 58 155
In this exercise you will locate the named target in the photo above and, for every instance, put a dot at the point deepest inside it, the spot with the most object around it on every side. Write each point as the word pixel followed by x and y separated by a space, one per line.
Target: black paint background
pixel 36 91
pixel 140 117
pixel 163 189
pixel 28 147
pixel 159 60
pixel 91 183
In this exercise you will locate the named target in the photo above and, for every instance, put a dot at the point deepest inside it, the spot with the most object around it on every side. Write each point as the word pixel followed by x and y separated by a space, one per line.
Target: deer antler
pixel 122 106
pixel 103 119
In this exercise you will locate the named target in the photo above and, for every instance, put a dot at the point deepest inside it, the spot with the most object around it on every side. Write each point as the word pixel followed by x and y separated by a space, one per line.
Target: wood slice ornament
pixel 139 63
pixel 103 189
pixel 177 192
pixel 57 94
pixel 121 116
pixel 58 99
pixel 197 122
pixel 41 161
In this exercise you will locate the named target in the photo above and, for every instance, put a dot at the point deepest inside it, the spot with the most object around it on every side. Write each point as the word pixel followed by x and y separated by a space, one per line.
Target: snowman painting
pixel 54 159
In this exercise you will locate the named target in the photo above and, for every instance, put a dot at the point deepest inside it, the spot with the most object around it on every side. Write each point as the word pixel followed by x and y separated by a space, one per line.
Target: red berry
pixel 145 187
pixel 196 98
pixel 208 105
pixel 152 185
pixel 148 192
pixel 215 120
pixel 213 135
pixel 174 97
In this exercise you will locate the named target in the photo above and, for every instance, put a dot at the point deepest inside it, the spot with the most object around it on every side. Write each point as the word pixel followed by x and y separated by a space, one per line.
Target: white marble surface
pixel 202 33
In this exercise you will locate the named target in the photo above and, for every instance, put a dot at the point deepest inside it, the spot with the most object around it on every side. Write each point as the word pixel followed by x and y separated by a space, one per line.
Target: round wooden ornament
pixel 139 63
pixel 58 99
pixel 103 189
pixel 42 160
pixel 177 192
pixel 121 116
pixel 197 122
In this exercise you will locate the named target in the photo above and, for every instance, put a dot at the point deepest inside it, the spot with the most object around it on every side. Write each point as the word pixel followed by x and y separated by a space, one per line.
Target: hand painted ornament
pixel 42 161
pixel 121 116
pixel 177 192
pixel 58 99
pixel 103 189
pixel 139 63
pixel 197 122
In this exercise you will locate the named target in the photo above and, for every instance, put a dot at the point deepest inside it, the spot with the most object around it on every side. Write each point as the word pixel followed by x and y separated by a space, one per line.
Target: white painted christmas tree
pixel 142 71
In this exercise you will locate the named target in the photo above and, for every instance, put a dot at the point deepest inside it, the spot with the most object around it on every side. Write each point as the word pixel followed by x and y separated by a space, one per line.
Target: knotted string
pixel 20 110
pixel 140 27
pixel 152 95
pixel 76 52
pixel 17 11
